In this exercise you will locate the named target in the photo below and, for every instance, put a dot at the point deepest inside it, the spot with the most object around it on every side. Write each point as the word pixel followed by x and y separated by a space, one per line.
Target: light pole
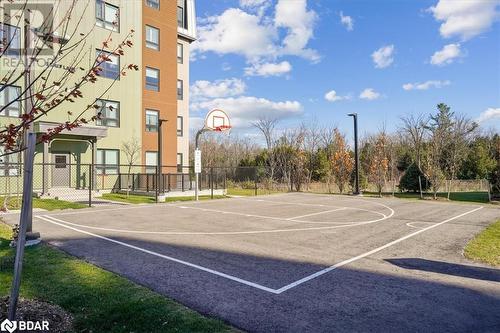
pixel 159 159
pixel 356 156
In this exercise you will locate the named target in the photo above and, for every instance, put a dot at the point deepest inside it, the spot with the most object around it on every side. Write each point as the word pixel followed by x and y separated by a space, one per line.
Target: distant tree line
pixel 424 153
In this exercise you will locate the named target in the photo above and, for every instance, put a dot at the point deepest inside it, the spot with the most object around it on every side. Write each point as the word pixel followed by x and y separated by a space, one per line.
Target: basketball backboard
pixel 217 120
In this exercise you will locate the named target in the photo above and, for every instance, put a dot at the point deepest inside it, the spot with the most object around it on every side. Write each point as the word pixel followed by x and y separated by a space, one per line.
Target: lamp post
pixel 159 159
pixel 356 155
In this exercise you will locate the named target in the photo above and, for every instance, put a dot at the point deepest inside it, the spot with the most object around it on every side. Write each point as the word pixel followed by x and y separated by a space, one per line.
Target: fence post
pixel 182 181
pixel 490 189
pixel 212 182
pixel 90 184
pixel 168 180
pixel 225 180
pixel 255 181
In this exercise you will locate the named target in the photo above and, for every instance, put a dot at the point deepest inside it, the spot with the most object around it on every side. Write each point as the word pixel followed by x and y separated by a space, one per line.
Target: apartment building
pixel 135 104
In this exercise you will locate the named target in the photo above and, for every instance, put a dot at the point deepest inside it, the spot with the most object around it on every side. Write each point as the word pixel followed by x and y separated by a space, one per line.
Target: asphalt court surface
pixel 297 262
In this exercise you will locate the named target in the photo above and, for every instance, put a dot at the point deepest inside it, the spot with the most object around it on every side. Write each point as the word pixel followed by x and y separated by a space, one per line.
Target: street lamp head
pixel 352 114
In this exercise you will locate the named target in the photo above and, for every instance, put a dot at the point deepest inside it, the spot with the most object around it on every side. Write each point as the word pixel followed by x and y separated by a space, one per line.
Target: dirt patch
pixel 35 310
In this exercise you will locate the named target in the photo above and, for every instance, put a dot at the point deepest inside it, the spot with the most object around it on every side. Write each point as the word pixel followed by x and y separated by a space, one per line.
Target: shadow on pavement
pixel 344 300
pixel 441 267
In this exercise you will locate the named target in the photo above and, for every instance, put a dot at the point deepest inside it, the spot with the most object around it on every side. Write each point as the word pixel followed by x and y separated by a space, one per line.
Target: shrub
pixel 409 181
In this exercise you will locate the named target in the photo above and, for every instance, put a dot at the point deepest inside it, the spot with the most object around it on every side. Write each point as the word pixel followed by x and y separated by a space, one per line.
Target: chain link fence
pixel 88 184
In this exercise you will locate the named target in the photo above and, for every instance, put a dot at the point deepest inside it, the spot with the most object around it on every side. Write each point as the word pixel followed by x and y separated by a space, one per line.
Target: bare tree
pixel 132 150
pixel 312 142
pixel 457 147
pixel 414 127
pixel 267 126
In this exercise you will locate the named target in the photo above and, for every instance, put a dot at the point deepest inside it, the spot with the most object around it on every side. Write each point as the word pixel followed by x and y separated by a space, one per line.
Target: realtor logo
pixel 8 326
pixel 11 326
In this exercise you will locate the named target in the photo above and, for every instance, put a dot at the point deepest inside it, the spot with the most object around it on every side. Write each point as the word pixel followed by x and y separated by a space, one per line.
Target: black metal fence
pixel 88 183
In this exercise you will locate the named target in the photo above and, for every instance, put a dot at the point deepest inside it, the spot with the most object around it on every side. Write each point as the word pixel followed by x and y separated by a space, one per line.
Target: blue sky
pixel 283 59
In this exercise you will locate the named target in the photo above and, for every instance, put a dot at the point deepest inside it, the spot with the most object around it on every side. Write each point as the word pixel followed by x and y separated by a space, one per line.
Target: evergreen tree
pixel 410 183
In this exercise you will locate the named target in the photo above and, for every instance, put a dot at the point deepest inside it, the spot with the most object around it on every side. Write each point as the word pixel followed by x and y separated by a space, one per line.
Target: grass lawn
pixel 99 301
pixel 131 198
pixel 485 246
pixel 249 191
pixel 481 197
pixel 47 204
pixel 138 199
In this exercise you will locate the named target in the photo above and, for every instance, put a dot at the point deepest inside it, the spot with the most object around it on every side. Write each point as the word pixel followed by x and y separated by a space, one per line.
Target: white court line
pixel 361 256
pixel 342 224
pixel 313 214
pixel 285 202
pixel 410 224
pixel 180 233
pixel 208 270
pixel 252 284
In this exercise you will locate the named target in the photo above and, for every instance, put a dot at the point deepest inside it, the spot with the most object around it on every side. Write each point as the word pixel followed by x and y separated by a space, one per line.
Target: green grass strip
pixel 99 301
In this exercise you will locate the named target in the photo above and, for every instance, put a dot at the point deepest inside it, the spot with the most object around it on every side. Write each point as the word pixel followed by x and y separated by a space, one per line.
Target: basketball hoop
pixel 223 128
pixel 215 121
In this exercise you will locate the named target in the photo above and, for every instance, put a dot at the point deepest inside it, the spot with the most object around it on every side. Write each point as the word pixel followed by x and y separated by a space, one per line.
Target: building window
pixel 153 4
pixel 180 126
pixel 10 40
pixel 151 161
pixel 9 164
pixel 151 121
pixel 180 53
pixel 180 162
pixel 108 161
pixel 107 16
pixel 180 17
pixel 109 113
pixel 109 64
pixel 180 90
pixel 9 94
pixel 152 38
pixel 152 79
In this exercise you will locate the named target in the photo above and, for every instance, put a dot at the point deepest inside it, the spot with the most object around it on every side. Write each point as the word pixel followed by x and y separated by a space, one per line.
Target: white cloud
pixel 245 109
pixel 258 37
pixel 369 94
pixel 268 69
pixel 383 57
pixel 426 85
pixel 220 88
pixel 257 6
pixel 347 21
pixel 447 55
pixel 332 96
pixel 252 3
pixel 196 123
pixel 465 19
pixel 236 31
pixel 299 22
pixel 489 114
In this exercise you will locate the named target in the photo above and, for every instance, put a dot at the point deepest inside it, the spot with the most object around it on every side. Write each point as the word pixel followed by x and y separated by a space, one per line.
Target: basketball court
pixel 297 262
